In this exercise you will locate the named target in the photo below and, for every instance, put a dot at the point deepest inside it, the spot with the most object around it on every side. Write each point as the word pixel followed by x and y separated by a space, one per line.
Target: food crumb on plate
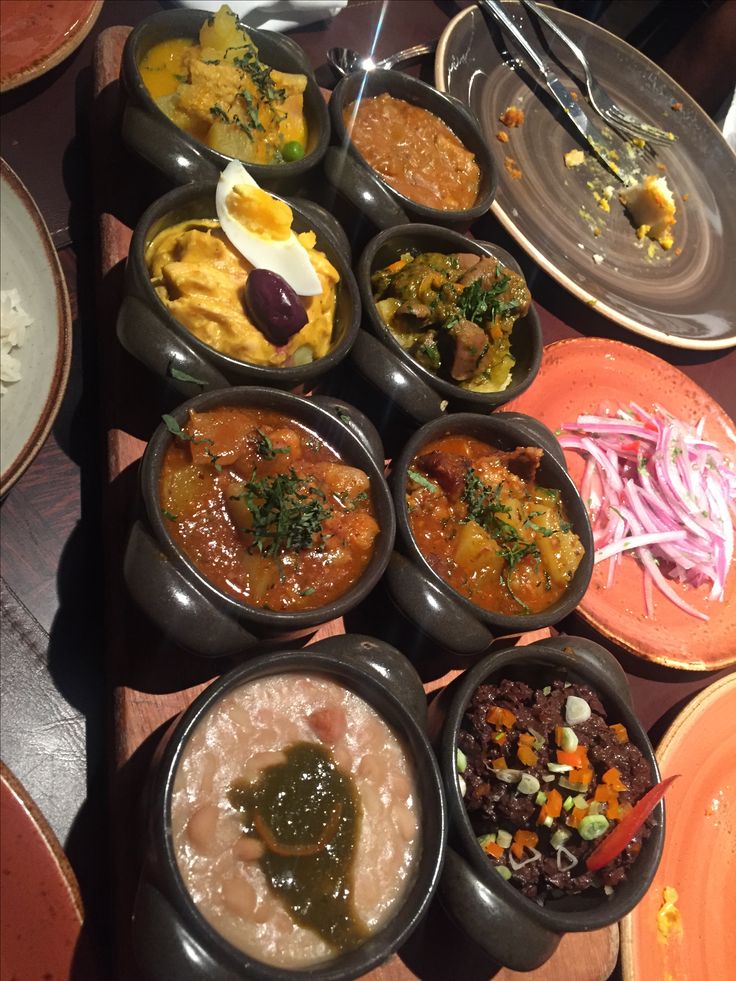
pixel 597 258
pixel 502 136
pixel 512 117
pixel 669 918
pixel 677 106
pixel 652 209
pixel 573 158
pixel 512 168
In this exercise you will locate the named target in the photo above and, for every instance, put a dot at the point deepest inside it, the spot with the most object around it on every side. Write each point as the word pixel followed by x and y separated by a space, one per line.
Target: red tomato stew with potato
pixel 265 510
pixel 484 525
pixel 556 792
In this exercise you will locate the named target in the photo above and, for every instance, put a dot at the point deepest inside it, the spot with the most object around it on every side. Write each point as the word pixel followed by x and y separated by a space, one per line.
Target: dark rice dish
pixel 545 778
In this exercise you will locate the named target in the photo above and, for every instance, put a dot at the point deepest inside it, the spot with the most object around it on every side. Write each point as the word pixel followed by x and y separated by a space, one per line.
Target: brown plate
pixel 684 300
pixel 585 375
pixel 41 908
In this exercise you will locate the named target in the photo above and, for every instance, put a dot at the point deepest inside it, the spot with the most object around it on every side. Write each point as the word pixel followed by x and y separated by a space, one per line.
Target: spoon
pixel 345 61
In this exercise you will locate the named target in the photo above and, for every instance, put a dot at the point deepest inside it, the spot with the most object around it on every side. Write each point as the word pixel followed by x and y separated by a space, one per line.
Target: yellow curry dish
pixel 219 91
pixel 202 279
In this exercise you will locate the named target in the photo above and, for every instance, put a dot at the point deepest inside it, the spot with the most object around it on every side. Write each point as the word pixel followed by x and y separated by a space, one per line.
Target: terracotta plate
pixel 699 859
pixel 593 374
pixel 41 909
pixel 35 36
pixel 684 300
pixel 30 266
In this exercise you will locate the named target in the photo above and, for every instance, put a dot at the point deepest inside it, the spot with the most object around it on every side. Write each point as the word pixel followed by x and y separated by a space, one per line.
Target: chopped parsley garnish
pixel 266 449
pixel 477 305
pixel 287 512
pixel 219 113
pixel 420 479
pixel 175 429
pixel 169 515
pixel 486 508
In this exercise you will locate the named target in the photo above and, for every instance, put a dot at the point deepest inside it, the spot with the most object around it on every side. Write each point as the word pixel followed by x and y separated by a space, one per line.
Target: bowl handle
pixel 596 660
pixel 540 433
pixel 319 214
pixel 177 607
pixel 387 664
pixel 439 616
pixel 362 188
pixel 150 341
pixel 158 141
pixel 358 423
pixel 499 928
pixel 162 946
pixel 394 379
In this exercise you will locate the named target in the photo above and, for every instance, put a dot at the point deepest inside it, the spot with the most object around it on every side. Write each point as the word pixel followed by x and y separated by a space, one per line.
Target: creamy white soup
pixel 295 819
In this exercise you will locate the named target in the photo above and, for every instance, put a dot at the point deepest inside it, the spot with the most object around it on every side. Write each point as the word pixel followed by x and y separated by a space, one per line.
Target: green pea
pixel 293 150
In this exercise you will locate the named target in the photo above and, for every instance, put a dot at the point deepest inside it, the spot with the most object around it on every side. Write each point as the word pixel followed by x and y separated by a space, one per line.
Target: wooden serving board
pixel 151 680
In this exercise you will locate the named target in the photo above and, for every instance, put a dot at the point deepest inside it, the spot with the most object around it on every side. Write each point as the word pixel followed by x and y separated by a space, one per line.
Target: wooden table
pixel 55 696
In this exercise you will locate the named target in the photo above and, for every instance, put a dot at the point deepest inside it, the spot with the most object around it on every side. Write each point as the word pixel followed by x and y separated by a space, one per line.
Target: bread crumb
pixel 512 168
pixel 678 250
pixel 677 106
pixel 685 196
pixel 662 167
pixel 597 259
pixel 512 117
pixel 502 137
pixel 574 96
pixel 652 209
pixel 573 158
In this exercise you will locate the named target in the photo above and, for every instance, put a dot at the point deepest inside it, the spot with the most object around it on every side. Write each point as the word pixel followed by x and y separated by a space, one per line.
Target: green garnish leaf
pixel 308 591
pixel 169 515
pixel 185 377
pixel 266 449
pixel 420 479
pixel 219 113
pixel 288 512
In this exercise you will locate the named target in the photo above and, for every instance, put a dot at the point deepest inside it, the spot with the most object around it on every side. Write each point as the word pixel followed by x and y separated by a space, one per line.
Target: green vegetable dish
pixel 454 314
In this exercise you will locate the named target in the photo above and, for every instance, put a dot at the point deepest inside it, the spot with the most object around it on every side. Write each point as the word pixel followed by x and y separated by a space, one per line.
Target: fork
pixel 597 95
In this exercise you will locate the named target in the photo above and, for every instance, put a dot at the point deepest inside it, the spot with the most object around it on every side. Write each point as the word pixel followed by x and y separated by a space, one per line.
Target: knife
pixel 591 134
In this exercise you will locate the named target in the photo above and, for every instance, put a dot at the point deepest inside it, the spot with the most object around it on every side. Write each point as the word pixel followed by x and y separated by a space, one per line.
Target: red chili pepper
pixel 613 844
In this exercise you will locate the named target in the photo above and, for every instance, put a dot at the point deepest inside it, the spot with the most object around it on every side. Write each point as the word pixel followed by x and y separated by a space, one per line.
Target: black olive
pixel 273 306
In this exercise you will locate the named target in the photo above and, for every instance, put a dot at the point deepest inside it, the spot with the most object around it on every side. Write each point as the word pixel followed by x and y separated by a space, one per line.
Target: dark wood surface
pixel 56 700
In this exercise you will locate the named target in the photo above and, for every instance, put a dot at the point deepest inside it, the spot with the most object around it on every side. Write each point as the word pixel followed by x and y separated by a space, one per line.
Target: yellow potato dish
pixel 220 92
pixel 200 277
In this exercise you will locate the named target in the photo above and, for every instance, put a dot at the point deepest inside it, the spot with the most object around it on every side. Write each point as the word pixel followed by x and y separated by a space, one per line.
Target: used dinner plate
pixel 594 375
pixel 35 37
pixel 699 859
pixel 28 264
pixel 683 297
pixel 41 908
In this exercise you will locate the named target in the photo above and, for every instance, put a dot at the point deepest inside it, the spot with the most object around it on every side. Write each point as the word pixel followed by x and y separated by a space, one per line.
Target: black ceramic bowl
pixel 149 331
pixel 515 930
pixel 358 181
pixel 181 157
pixel 172 939
pixel 423 596
pixel 424 392
pixel 185 605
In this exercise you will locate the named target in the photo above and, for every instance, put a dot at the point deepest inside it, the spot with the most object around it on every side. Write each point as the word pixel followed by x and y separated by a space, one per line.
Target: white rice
pixel 13 323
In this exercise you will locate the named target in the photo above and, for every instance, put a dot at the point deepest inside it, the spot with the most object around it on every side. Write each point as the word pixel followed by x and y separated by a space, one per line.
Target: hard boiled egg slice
pixel 259 226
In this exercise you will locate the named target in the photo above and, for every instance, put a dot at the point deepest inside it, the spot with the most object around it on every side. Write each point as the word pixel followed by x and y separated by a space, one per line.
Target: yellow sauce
pixel 200 277
pixel 669 919
pixel 163 67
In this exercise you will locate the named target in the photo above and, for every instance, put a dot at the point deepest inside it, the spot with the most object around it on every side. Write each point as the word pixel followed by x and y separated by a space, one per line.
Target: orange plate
pixel 41 912
pixel 699 859
pixel 593 375
pixel 35 37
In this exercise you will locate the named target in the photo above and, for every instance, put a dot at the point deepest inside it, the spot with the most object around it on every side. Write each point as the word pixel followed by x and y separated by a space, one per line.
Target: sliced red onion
pixel 658 489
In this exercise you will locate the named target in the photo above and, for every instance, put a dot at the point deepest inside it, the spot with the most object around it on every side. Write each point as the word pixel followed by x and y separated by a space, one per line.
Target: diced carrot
pixel 604 793
pixel 613 811
pixel 526 739
pixel 558 735
pixel 580 778
pixel 395 266
pixel 576 816
pixel 612 778
pixel 523 839
pixel 500 738
pixel 554 803
pixel 620 732
pixel 500 717
pixel 499 763
pixel 493 849
pixel 543 814
pixel 527 755
pixel 573 758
